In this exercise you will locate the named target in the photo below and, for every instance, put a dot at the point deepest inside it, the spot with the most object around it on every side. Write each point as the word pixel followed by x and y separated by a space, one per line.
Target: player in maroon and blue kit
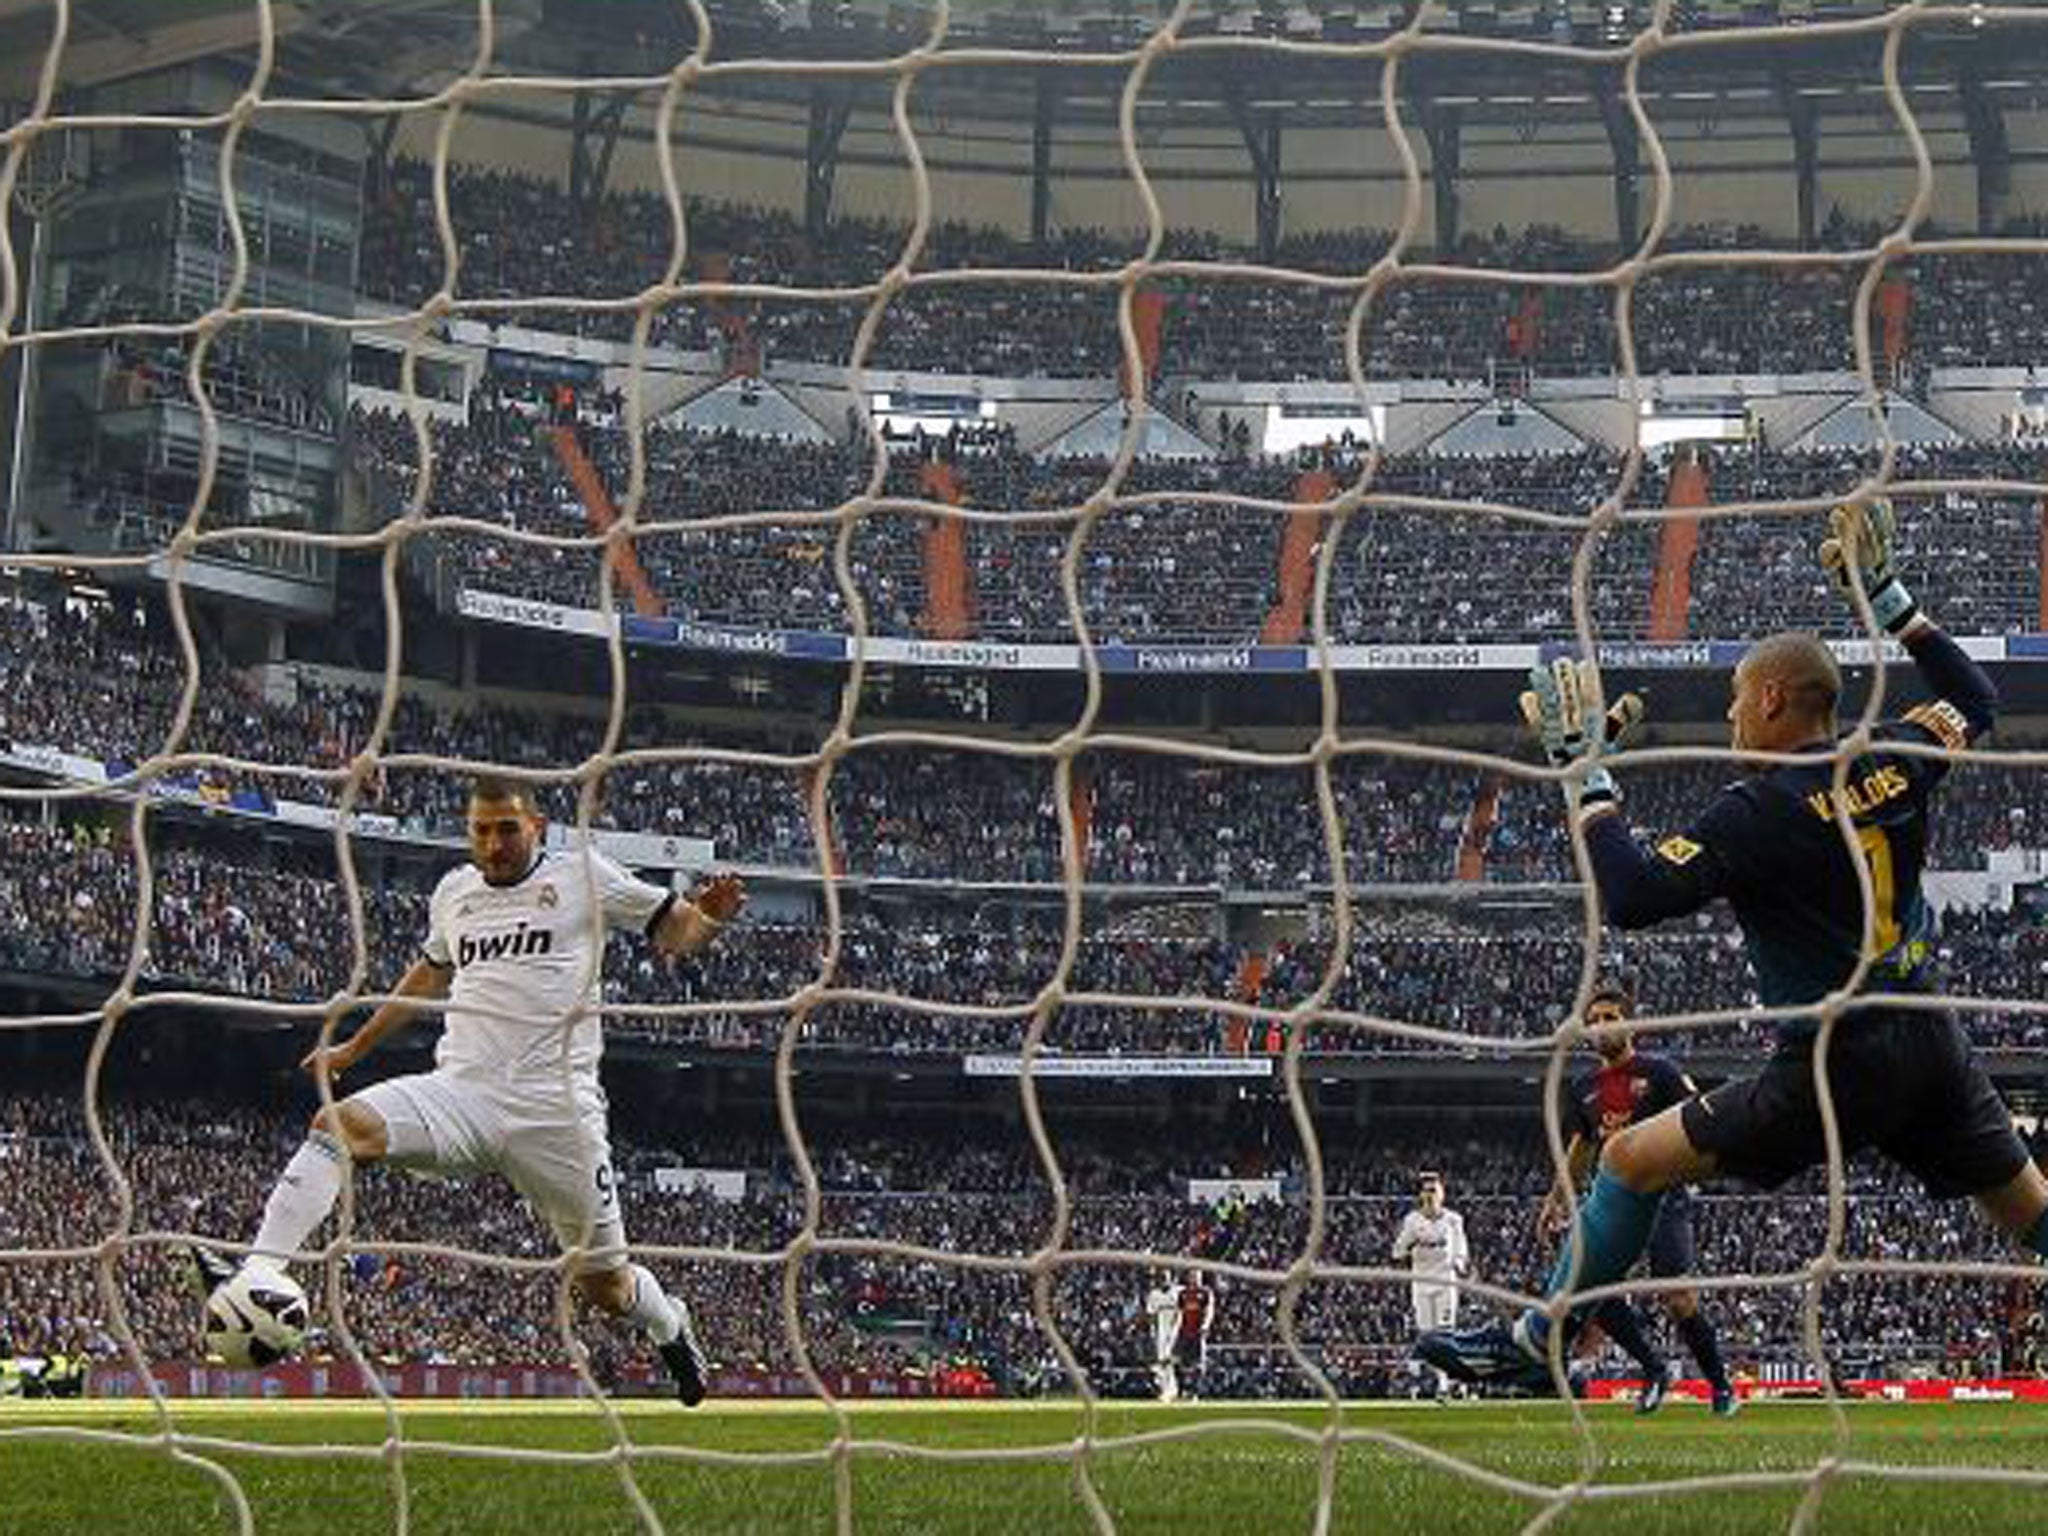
pixel 1629 1087
pixel 1197 1306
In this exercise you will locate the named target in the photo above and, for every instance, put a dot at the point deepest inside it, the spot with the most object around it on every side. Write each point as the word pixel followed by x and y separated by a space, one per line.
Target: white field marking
pixel 740 1407
pixel 16 1410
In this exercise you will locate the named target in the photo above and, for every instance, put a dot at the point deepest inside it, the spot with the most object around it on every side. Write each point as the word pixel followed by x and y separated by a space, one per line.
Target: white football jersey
pixel 528 962
pixel 1434 1246
pixel 1162 1305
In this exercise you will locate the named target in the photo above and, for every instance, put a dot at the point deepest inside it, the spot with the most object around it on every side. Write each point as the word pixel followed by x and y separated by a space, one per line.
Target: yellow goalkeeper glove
pixel 1555 707
pixel 1860 540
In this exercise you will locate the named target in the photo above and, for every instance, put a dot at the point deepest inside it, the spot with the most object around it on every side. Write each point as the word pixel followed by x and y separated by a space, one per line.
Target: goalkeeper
pixel 1903 1081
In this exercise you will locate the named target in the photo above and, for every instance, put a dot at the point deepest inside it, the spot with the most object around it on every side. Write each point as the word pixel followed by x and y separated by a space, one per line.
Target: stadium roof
pixel 366 48
pixel 374 48
pixel 1100 434
pixel 1496 428
pixel 1850 426
pixel 753 406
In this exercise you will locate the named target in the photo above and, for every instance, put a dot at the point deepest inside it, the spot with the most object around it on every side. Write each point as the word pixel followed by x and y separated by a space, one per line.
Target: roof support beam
pixel 1442 125
pixel 1628 164
pixel 1045 108
pixel 1260 131
pixel 1802 116
pixel 593 136
pixel 1990 148
pixel 830 112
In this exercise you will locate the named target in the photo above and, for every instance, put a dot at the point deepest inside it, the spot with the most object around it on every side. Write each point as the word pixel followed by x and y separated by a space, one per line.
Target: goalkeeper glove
pixel 1859 545
pixel 1555 705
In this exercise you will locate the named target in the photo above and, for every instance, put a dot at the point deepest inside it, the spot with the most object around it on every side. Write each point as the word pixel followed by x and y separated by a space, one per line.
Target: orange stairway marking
pixel 597 506
pixel 1288 620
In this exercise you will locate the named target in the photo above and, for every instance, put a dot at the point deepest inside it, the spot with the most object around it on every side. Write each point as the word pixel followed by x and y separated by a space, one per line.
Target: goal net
pixel 539 402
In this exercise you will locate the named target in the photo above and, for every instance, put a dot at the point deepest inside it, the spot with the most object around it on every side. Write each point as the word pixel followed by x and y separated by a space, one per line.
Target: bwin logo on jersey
pixel 516 945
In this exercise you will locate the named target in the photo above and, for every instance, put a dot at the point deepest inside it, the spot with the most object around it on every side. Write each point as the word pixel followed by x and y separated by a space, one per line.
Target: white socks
pixel 305 1193
pixel 310 1184
pixel 660 1317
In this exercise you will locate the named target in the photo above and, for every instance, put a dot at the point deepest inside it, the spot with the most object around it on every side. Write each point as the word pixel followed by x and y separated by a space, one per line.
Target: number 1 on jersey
pixel 1877 853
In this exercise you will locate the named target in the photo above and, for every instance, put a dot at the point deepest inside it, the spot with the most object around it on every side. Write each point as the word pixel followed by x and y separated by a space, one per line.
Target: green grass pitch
pixel 1250 1468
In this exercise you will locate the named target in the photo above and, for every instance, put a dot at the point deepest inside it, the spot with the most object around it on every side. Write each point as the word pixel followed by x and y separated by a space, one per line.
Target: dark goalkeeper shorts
pixel 1907 1084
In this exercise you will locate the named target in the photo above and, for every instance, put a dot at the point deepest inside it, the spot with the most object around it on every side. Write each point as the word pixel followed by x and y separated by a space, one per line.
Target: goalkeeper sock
pixel 2037 1235
pixel 1705 1345
pixel 1618 1320
pixel 660 1317
pixel 1614 1228
pixel 305 1193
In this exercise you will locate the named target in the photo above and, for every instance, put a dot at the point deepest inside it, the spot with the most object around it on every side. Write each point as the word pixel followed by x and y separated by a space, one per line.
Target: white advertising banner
pixel 1120 1066
pixel 719 1183
pixel 640 850
pixel 530 614
pixel 1252 1191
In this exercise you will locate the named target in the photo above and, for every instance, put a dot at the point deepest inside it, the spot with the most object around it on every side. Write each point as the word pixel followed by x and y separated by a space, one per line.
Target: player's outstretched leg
pixel 1700 1339
pixel 304 1194
pixel 1613 1229
pixel 1492 1354
pixel 1621 1323
pixel 1698 1333
pixel 1436 1386
pixel 666 1320
pixel 685 1359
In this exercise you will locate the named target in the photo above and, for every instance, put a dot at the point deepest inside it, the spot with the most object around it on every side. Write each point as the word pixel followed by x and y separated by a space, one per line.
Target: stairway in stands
pixel 597 507
pixel 948 593
pixel 1478 831
pixel 1671 588
pixel 1239 1033
pixel 1287 623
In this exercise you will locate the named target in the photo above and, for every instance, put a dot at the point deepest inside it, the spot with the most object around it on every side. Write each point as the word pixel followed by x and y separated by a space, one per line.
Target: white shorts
pixel 556 1151
pixel 1436 1306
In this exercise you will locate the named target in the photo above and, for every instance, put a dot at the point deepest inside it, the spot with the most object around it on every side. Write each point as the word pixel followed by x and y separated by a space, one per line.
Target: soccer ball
pixel 256 1317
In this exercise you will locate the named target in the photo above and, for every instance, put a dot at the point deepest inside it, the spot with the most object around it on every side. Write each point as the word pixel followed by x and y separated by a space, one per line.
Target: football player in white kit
pixel 1432 1240
pixel 514 945
pixel 1162 1307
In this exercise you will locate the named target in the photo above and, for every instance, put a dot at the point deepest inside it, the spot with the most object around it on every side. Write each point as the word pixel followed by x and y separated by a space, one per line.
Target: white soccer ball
pixel 256 1318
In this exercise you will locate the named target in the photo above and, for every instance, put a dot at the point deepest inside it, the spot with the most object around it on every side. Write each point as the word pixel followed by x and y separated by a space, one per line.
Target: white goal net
pixel 837 565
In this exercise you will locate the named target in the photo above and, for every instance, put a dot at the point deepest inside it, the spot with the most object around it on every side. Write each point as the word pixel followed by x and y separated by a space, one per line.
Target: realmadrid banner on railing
pixel 1169 660
pixel 1718 655
pixel 528 613
pixel 1119 1066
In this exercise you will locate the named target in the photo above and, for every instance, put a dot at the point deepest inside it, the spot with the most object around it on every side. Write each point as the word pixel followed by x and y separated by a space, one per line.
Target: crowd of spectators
pixel 204 1169
pixel 521 238
pixel 272 924
pixel 1168 570
pixel 276 929
pixel 103 682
